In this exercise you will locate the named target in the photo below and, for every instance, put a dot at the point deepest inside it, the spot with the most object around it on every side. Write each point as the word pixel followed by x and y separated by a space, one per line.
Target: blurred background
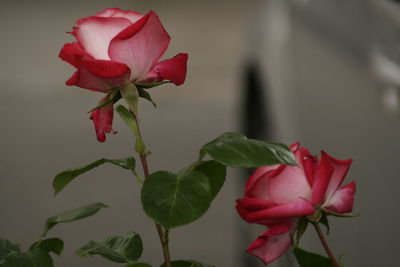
pixel 325 73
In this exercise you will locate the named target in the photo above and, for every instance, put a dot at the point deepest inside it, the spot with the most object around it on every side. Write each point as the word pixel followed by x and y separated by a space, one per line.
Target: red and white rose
pixel 116 47
pixel 277 196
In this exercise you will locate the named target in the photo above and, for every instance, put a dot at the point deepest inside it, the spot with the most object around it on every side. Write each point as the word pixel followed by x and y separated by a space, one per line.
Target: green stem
pixel 162 235
pixel 325 244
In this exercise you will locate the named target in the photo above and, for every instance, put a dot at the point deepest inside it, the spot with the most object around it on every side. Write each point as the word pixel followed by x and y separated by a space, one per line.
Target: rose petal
pixel 173 69
pixel 340 169
pixel 272 244
pixel 116 12
pixel 251 189
pixel 291 210
pixel 140 45
pixel 322 178
pixel 287 186
pixel 96 33
pixel 96 75
pixel 102 119
pixel 342 201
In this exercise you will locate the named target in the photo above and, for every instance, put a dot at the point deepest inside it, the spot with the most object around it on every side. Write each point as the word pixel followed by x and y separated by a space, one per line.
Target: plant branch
pixel 325 244
pixel 162 235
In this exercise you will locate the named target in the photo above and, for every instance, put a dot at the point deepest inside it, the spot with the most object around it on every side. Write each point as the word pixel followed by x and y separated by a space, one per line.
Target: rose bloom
pixel 116 47
pixel 277 196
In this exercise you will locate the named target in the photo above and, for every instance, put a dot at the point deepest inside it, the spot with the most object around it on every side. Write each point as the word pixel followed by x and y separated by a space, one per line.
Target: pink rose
pixel 277 196
pixel 116 47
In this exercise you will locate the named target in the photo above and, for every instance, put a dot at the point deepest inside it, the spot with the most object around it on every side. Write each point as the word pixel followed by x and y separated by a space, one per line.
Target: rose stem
pixel 162 235
pixel 325 244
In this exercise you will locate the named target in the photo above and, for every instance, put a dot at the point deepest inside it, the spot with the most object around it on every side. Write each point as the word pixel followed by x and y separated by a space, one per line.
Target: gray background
pixel 319 89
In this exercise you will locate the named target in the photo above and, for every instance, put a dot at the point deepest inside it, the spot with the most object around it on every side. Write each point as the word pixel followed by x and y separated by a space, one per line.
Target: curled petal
pixel 96 75
pixel 343 199
pixel 340 169
pixel 251 189
pixel 322 178
pixel 96 33
pixel 118 13
pixel 272 244
pixel 291 210
pixel 102 120
pixel 140 45
pixel 173 69
pixel 247 206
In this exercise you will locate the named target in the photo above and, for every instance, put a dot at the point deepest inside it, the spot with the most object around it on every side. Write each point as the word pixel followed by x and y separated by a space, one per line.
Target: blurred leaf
pixel 235 150
pixel 54 245
pixel 73 215
pixel 115 248
pixel 188 263
pixel 6 247
pixel 310 259
pixel 65 177
pixel 132 123
pixel 138 264
pixel 144 94
pixel 35 258
pixel 178 199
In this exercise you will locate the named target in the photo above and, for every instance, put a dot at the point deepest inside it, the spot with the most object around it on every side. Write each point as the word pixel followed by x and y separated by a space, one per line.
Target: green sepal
pixel 174 200
pixel 122 249
pixel 114 97
pixel 188 263
pixel 65 177
pixel 301 228
pixel 324 221
pixel 343 215
pixel 132 123
pixel 6 247
pixel 73 215
pixel 151 85
pixel 144 94
pixel 131 95
pixel 316 216
pixel 54 245
pixel 309 259
pixel 235 150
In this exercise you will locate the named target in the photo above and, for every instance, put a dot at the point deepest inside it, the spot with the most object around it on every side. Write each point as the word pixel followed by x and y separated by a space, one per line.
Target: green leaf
pixel 6 247
pixel 235 150
pixel 18 259
pixel 144 94
pixel 115 248
pixel 310 259
pixel 131 95
pixel 35 258
pixel 132 123
pixel 178 199
pixel 65 177
pixel 301 228
pixel 188 263
pixel 54 245
pixel 138 264
pixel 73 215
pixel 40 258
